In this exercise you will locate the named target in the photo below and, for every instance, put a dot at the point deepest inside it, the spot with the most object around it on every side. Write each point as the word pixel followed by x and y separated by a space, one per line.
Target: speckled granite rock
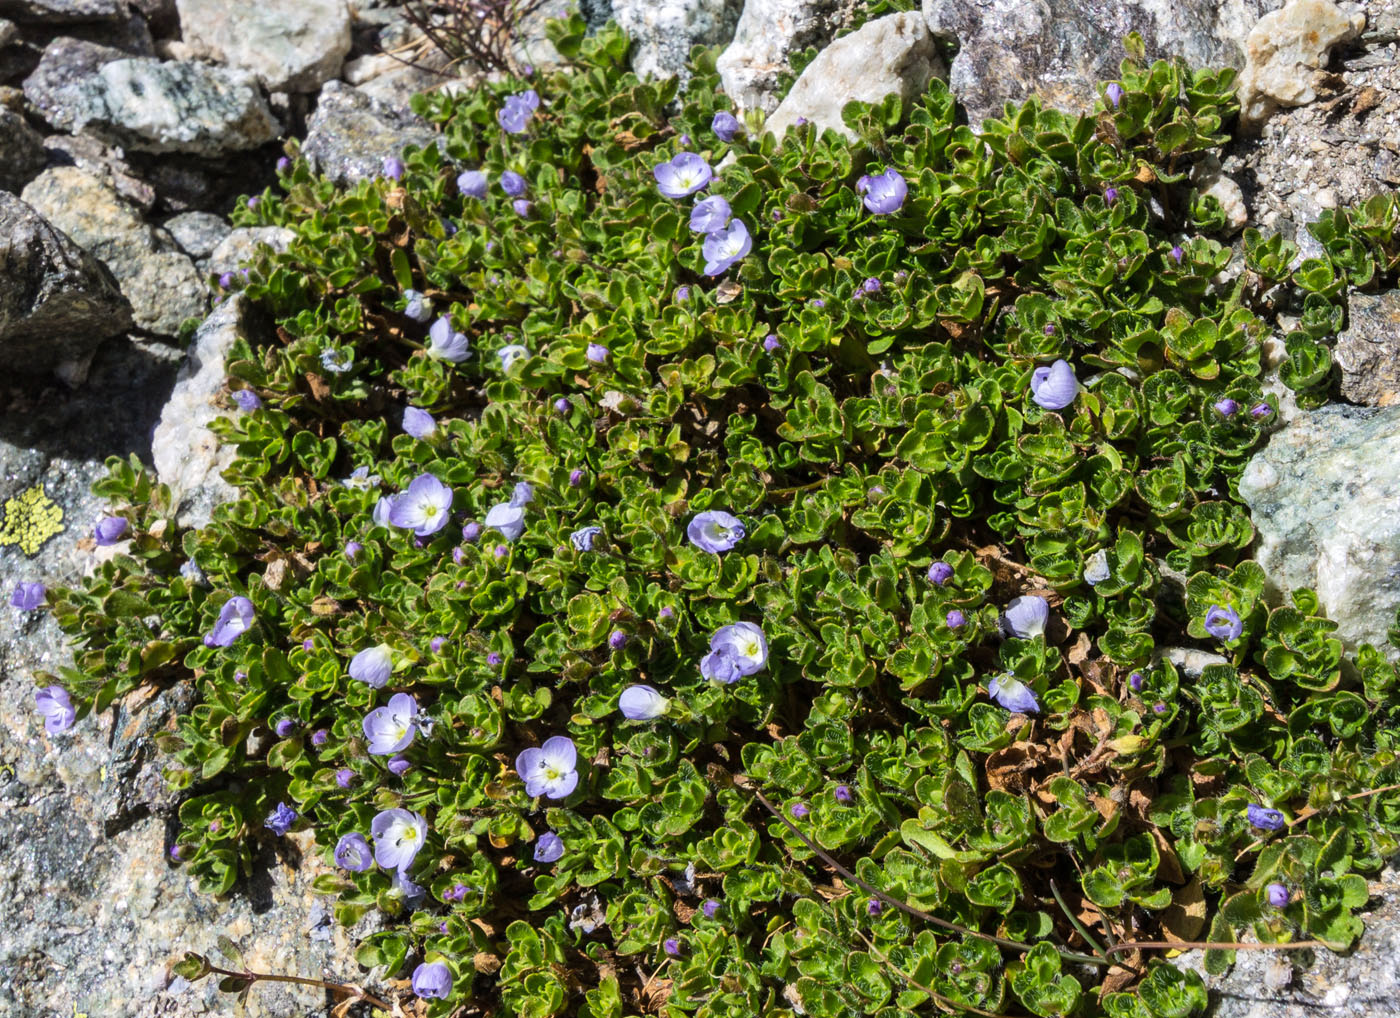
pixel 1368 350
pixel 350 135
pixel 1284 51
pixel 21 151
pixel 662 31
pixel 197 233
pixel 161 283
pixel 1324 495
pixel 768 33
pixel 238 247
pixel 187 456
pixel 57 302
pixel 291 47
pixel 62 11
pixel 893 54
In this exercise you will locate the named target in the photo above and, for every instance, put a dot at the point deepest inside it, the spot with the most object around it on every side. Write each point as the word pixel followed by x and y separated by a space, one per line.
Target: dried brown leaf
pixel 1185 917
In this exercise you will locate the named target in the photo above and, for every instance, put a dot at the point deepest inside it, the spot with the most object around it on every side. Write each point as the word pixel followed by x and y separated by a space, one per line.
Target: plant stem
pixel 268 977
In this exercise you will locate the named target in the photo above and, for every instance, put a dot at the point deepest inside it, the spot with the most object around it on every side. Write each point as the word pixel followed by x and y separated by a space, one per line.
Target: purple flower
pixel 596 353
pixel 940 573
pixel 432 980
pixel 884 194
pixel 562 406
pixel 682 294
pixel 352 852
pixel 28 596
pixel 56 707
pixel 507 518
pixel 671 946
pixel 1260 410
pixel 710 214
pixel 320 737
pixel 666 611
pixel 435 644
pixel 418 423
pixel 529 98
pixel 423 508
pixel 725 125
pixel 471 533
pixel 874 907
pixel 735 651
pixel 550 848
pixel 404 887
pixel 344 777
pixel 583 538
pixel 1025 617
pixel 685 174
pixel 373 665
pixel 799 811
pixel 771 343
pixel 1265 819
pixel 549 770
pixel 393 168
pixel 1225 407
pixel 871 285
pixel 955 619
pixel 1135 681
pixel 1049 329
pixel 1177 253
pixel 416 306
pixel 285 727
pixel 642 703
pixel 617 639
pixel 842 794
pixel 1114 91
pixel 715 531
pixel 1110 195
pixel 575 477
pixel 1224 623
pixel 235 619
pixel 500 551
pixel 472 184
pixel 247 400
pixel 398 835
pixel 253 202
pixel 398 765
pixel 390 729
pixel 522 207
pixel 513 184
pixel 710 907
pixel 515 115
pixel 1055 387
pixel 225 280
pixel 1013 694
pixel 383 509
pixel 1277 895
pixel 177 853
pixel 446 343
pixel 353 549
pixel 283 164
pixel 109 530
pixel 725 247
pixel 494 658
pixel 280 820
pixel 1159 708
pixel 818 303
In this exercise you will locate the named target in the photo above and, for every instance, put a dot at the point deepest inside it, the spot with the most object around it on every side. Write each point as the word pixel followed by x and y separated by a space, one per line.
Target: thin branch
pixel 267 977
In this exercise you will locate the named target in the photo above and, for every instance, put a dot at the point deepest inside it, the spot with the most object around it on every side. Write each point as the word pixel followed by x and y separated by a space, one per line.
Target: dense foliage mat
pixel 533 438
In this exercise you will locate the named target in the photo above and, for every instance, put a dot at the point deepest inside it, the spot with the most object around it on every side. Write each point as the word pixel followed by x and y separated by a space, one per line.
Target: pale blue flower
pixel 432 980
pixel 1013 694
pixel 28 596
pixel 1026 617
pixel 549 848
pixel 513 184
pixel 416 306
pixel 642 703
pixel 398 837
pixel 725 125
pixel 109 530
pixel 446 343
pixel 361 479
pixel 352 852
pixel 1096 568
pixel 423 508
pixel 235 619
pixel 735 651
pixel 1055 387
pixel 710 214
pixel 683 175
pixel 56 708
pixel 280 820
pixel 391 729
pixel 549 770
pixel 418 423
pixel 373 665
pixel 507 518
pixel 715 531
pixel 724 248
pixel 582 539
pixel 337 362
pixel 472 184
pixel 512 354
pixel 883 194
pixel 1224 623
pixel 1265 819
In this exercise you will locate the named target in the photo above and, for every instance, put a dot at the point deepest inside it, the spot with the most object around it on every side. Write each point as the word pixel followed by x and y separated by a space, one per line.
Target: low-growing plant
pixel 723 591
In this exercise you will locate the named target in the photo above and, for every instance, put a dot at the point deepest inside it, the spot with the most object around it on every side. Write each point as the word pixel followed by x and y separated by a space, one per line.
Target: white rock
pixel 240 245
pixel 291 47
pixel 895 53
pixel 662 31
pixel 1208 176
pixel 768 33
pixel 186 454
pixel 1284 51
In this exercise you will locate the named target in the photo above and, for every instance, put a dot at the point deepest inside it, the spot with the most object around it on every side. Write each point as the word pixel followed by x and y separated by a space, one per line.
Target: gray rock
pixel 239 246
pixel 662 31
pixel 161 283
pixel 1284 51
pixel 1324 495
pixel 104 161
pixel 146 105
pixel 1368 350
pixel 57 302
pixel 63 11
pixel 291 47
pixel 350 134
pixel 186 454
pixel 768 33
pixel 21 151
pixel 197 233
pixel 893 54
pixel 1060 50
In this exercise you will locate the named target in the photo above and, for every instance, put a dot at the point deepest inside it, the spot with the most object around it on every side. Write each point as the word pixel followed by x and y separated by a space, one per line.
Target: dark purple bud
pixel 771 342
pixel 1177 253
pixel 353 548
pixel 344 777
pixel 109 530
pixel 874 907
pixel 671 946
pixel 435 644
pixel 1159 707
pixel 684 140
pixel 177 853
pixel 1226 407
pixel 393 168
pixel 710 907
pixel 871 285
pixel 818 303
pixel 777 215
pixel 799 811
pixel 308 644
pixel 493 659
pixel 955 619
pixel 283 164
pixel 1277 895
pixel 940 573
pixel 617 639
pixel 1260 410
pixel 471 532
pixel 319 737
pixel 226 280
pixel 501 551
pixel 842 794
pixel 1135 681
pixel 562 405
pixel 254 202
pixel 1265 819
pixel 575 477
pixel 285 727
pixel 1114 91
pixel 1110 195
pixel 666 611
pixel 398 764
pixel 1049 329
pixel 682 294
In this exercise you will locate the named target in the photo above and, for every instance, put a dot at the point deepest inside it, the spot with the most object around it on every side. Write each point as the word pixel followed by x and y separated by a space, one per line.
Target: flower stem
pixel 268 977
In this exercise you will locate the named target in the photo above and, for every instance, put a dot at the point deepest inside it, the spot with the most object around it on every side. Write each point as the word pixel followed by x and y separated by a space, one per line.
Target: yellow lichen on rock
pixel 30 518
